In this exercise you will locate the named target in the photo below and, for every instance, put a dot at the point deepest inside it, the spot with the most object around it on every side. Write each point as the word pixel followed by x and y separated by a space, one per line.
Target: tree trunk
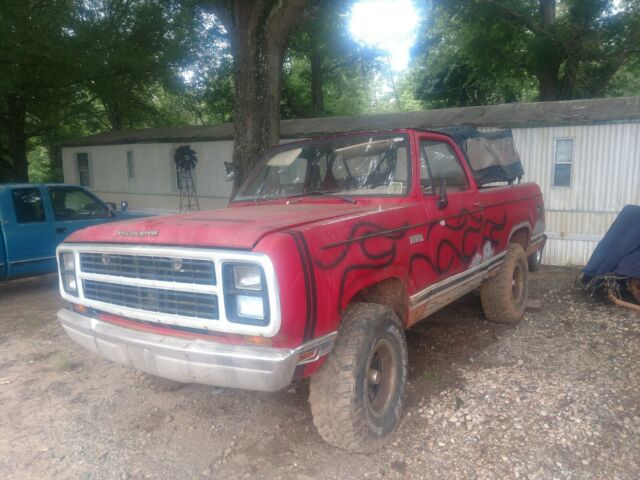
pixel 548 82
pixel 260 31
pixel 548 12
pixel 548 66
pixel 568 82
pixel 17 138
pixel 317 96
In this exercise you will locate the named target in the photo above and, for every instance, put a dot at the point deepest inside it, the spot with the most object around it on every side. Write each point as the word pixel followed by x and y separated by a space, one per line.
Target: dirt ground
pixel 556 396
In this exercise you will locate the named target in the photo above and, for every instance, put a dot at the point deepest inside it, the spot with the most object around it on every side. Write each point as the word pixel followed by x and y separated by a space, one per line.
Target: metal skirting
pixel 568 249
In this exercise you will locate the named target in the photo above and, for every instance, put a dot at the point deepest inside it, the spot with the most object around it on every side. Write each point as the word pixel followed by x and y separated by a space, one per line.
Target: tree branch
pixel 519 17
pixel 223 11
pixel 281 19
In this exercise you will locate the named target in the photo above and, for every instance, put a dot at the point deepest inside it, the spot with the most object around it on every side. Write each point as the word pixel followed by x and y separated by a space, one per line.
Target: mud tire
pixel 344 395
pixel 504 295
pixel 534 260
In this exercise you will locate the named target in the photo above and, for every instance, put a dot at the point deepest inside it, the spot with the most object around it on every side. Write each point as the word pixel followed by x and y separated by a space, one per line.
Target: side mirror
pixel 443 201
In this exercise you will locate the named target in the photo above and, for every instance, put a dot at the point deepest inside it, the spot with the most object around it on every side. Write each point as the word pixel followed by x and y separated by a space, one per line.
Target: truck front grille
pixel 197 271
pixel 175 286
pixel 186 304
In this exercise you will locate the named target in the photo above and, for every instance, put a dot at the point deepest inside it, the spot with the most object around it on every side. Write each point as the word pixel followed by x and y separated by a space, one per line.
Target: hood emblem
pixel 106 258
pixel 138 233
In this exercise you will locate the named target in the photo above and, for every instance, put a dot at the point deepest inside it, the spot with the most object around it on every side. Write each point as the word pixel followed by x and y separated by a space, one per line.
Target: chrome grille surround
pixel 170 302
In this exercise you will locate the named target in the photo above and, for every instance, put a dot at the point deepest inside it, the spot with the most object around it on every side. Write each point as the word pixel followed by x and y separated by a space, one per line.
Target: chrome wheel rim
pixel 517 284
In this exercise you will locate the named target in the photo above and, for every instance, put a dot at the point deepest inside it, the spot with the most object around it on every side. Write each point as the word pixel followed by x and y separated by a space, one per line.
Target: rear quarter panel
pixel 509 209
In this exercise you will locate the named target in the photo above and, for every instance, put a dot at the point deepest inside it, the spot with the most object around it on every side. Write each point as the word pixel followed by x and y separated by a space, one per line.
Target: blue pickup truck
pixel 34 219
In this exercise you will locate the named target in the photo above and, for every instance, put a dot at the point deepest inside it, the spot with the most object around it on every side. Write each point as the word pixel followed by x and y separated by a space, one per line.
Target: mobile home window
pixel 563 162
pixel 84 173
pixel 131 172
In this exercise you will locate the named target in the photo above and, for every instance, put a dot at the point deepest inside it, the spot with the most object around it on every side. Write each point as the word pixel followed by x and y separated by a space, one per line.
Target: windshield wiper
pixel 322 192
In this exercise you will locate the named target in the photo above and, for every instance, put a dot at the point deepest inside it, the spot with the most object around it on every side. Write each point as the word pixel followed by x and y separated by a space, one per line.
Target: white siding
pixel 605 177
pixel 154 173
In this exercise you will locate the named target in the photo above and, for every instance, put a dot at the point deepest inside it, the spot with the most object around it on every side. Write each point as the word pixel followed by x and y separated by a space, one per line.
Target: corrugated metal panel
pixel 578 222
pixel 605 177
pixel 606 167
pixel 568 252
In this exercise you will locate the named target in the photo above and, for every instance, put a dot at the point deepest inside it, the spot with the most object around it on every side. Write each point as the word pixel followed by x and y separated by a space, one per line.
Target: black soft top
pixel 491 155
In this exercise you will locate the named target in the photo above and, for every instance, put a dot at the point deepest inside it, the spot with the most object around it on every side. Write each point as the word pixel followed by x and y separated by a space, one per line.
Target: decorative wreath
pixel 185 158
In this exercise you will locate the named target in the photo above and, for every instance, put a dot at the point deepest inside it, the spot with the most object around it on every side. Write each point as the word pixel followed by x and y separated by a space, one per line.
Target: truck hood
pixel 236 227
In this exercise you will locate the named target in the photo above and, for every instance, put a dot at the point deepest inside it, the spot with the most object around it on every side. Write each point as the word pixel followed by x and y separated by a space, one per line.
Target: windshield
pixel 364 165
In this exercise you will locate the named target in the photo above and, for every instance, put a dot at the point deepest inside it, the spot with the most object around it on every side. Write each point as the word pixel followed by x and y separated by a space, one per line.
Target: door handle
pixel 478 204
pixel 61 229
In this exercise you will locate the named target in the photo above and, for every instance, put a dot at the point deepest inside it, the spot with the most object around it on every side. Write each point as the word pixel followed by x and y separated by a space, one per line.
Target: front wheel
pixel 504 295
pixel 357 395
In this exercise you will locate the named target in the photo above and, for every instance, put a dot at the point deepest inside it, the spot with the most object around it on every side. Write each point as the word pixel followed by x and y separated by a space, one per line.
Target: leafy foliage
pixel 326 72
pixel 492 51
pixel 72 68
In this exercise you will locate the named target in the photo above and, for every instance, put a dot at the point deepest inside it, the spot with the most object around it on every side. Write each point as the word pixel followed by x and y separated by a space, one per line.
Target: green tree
pixel 489 51
pixel 37 55
pixel 135 50
pixel 258 34
pixel 326 72
pixel 73 67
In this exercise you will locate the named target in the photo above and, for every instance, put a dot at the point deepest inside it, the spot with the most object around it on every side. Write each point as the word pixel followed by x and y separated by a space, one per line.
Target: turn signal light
pixel 79 308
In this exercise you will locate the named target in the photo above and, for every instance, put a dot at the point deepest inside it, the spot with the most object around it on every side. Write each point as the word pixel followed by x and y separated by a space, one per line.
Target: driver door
pixel 75 208
pixel 454 233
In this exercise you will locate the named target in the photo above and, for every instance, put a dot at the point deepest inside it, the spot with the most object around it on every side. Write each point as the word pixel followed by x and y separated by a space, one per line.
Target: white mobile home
pixel 585 154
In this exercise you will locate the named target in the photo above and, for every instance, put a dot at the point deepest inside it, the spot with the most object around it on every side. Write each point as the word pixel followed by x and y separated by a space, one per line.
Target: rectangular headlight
pixel 247 277
pixel 246 296
pixel 70 284
pixel 250 306
pixel 68 261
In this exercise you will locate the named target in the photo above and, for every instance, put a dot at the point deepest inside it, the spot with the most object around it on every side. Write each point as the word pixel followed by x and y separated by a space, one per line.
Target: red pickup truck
pixel 328 252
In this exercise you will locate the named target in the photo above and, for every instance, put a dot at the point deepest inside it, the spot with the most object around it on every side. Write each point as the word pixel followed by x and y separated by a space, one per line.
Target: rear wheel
pixel 534 260
pixel 504 295
pixel 357 395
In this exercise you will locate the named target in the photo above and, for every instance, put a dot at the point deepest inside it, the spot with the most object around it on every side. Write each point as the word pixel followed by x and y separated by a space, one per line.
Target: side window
pixel 563 162
pixel 84 172
pixel 27 203
pixel 441 165
pixel 74 204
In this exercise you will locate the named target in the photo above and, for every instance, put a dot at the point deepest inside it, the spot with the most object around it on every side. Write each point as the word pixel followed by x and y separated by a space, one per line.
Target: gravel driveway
pixel 556 396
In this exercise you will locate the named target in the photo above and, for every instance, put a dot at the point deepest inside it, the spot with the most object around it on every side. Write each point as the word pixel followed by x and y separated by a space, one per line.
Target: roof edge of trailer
pixel 509 115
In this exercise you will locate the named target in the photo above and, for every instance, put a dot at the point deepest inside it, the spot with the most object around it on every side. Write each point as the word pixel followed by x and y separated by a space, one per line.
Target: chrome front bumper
pixel 193 360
